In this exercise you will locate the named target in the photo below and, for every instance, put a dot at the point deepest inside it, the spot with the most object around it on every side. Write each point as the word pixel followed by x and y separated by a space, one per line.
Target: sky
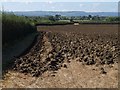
pixel 59 0
pixel 60 5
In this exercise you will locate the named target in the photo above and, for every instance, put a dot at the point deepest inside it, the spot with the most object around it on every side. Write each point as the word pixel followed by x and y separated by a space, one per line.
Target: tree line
pixel 71 19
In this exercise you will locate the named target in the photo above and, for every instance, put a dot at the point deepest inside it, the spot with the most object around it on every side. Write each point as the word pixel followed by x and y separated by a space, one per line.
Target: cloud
pixel 50 2
pixel 53 7
pixel 59 0
pixel 16 1
pixel 95 7
pixel 81 5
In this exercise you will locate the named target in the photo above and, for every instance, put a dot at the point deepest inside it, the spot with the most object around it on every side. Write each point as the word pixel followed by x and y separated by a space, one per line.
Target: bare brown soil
pixel 71 71
pixel 84 28
pixel 75 76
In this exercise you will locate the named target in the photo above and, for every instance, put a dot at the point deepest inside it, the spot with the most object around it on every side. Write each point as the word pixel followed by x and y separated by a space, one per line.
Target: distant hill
pixel 65 13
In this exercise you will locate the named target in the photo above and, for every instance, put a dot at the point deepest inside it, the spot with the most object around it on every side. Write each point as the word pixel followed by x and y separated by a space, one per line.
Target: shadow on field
pixel 17 50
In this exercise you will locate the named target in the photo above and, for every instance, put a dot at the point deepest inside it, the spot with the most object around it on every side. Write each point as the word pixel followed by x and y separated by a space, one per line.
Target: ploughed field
pixel 89 44
pixel 59 46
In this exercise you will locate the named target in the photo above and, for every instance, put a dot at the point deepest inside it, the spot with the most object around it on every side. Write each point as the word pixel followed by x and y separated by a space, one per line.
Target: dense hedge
pixel 54 23
pixel 15 27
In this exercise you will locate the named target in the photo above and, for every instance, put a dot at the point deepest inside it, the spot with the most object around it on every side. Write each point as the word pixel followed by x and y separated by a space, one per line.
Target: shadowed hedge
pixel 15 27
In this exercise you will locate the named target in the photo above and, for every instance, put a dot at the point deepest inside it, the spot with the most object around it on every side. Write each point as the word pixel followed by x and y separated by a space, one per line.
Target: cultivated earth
pixel 68 56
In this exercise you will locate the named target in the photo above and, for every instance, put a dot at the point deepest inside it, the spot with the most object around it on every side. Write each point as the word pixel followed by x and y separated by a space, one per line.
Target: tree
pixel 113 19
pixel 57 17
pixel 96 18
pixel 90 17
pixel 72 19
pixel 51 18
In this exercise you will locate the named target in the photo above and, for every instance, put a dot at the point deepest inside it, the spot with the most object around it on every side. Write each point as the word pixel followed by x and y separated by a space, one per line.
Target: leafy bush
pixel 15 27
